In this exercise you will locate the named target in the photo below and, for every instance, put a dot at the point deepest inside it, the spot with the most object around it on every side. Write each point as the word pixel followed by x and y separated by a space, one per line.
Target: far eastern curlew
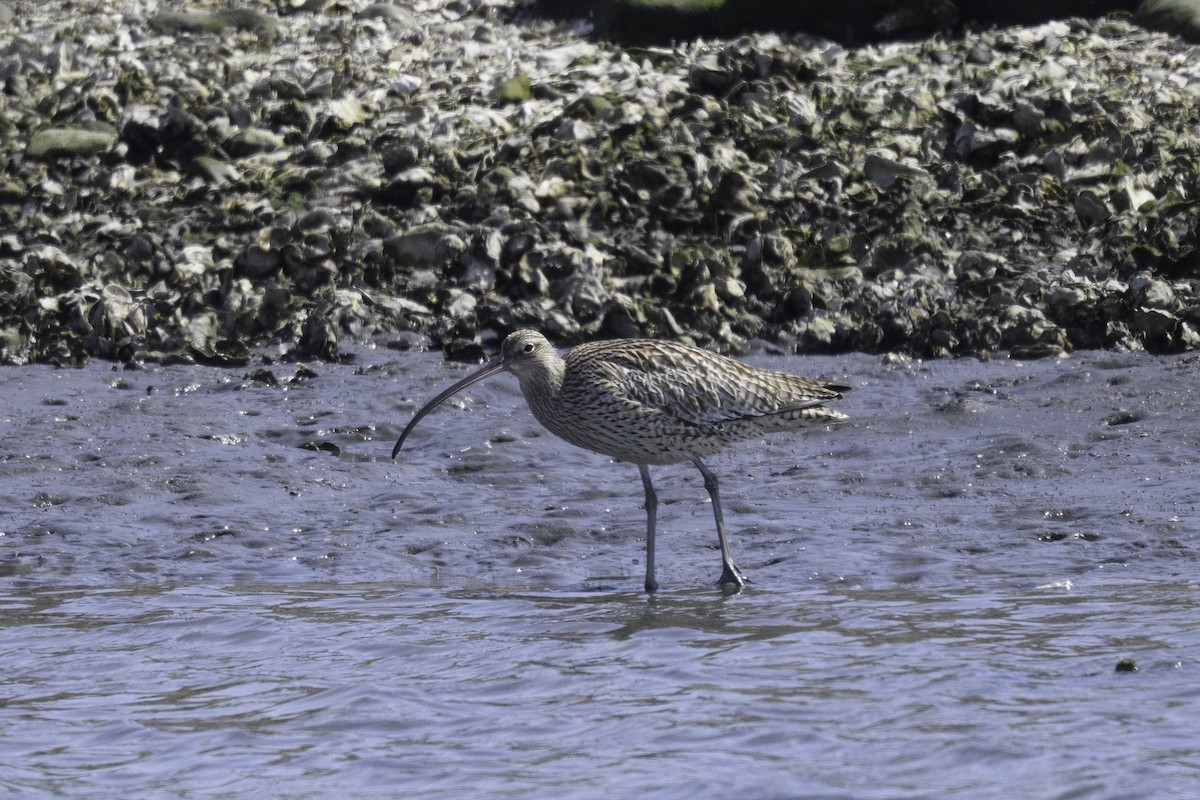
pixel 653 402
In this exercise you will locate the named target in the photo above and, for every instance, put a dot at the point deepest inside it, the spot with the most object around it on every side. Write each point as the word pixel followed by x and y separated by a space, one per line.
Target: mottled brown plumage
pixel 653 402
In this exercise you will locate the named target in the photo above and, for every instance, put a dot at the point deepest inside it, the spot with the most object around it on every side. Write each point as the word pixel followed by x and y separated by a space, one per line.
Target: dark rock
pixel 1180 17
pixel 865 20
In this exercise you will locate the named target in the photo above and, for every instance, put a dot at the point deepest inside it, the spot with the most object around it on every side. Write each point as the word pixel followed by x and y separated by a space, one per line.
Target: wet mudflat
pixel 212 586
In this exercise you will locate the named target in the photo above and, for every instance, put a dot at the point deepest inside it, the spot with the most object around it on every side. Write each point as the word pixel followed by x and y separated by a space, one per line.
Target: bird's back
pixel 658 402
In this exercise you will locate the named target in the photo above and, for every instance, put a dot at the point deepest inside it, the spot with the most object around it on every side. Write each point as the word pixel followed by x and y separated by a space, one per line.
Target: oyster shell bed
pixel 191 184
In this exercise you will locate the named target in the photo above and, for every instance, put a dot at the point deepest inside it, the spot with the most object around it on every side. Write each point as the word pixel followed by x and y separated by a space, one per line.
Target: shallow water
pixel 211 587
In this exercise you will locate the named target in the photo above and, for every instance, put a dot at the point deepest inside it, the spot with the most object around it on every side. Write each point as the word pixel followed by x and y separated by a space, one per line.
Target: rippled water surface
pixel 212 586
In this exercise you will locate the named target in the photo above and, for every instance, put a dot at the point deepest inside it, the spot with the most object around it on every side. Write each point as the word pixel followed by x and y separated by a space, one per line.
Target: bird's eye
pixel 528 348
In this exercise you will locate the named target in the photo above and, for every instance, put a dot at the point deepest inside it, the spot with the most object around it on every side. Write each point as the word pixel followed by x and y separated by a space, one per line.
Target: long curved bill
pixel 489 369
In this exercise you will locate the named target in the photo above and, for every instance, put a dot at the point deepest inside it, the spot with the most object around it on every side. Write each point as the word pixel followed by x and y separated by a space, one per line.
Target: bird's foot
pixel 732 580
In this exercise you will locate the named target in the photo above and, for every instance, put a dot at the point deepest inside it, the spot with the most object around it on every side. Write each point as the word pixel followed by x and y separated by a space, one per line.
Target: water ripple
pixel 214 587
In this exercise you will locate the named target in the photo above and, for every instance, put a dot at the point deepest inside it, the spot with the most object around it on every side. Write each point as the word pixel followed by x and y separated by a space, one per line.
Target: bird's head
pixel 527 354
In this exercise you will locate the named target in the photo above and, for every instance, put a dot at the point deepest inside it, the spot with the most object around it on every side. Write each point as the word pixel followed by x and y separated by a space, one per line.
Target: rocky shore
pixel 190 184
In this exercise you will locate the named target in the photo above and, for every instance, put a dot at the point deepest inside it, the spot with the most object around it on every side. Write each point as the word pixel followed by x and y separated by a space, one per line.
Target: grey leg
pixel 729 571
pixel 651 513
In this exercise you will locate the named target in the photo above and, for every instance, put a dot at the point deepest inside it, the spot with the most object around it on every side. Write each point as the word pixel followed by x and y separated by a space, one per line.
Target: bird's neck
pixel 543 386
